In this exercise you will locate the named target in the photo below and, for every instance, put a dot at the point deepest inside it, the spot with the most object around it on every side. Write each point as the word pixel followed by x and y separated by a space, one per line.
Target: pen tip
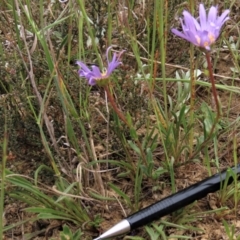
pixel 120 228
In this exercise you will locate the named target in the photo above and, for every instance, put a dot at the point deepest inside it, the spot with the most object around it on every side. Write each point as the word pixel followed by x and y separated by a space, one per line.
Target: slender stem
pixel 163 53
pixel 123 118
pixel 114 106
pixel 215 96
pixel 192 88
pixel 192 99
pixel 3 177
pixel 214 90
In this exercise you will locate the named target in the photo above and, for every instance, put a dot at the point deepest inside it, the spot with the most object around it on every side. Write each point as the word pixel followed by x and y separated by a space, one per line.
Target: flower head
pixel 204 32
pixel 94 75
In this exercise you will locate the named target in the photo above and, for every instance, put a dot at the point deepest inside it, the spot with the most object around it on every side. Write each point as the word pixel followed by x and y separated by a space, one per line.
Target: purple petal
pixel 92 81
pixel 190 22
pixel 203 16
pixel 205 40
pixel 82 73
pixel 114 63
pixel 196 24
pixel 83 66
pixel 189 36
pixel 206 31
pixel 178 33
pixel 212 16
pixel 96 72
pixel 223 18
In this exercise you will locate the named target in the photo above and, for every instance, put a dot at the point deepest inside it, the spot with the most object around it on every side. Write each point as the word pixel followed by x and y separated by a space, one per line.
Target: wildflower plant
pixel 101 78
pixel 94 75
pixel 203 34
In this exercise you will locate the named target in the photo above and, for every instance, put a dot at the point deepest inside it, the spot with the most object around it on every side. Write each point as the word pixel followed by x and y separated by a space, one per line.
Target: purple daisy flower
pixel 94 74
pixel 204 32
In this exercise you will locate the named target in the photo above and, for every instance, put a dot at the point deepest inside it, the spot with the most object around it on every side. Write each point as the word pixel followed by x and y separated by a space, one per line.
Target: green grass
pixel 95 162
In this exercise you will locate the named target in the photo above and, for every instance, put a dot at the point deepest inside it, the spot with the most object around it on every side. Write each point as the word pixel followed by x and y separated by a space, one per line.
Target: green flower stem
pixel 214 90
pixel 123 118
pixel 192 99
pixel 3 177
pixel 192 88
pixel 114 106
pixel 218 107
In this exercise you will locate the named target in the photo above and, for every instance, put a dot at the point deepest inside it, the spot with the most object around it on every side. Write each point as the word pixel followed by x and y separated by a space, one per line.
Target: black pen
pixel 171 203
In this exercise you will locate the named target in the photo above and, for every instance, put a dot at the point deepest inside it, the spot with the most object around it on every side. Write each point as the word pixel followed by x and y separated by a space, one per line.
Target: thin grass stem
pixel 123 118
pixel 192 99
pixel 163 53
pixel 3 176
pixel 214 90
pixel 114 106
pixel 218 107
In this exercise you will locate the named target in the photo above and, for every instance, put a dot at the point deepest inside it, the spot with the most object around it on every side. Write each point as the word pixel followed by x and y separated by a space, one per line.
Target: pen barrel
pixel 180 199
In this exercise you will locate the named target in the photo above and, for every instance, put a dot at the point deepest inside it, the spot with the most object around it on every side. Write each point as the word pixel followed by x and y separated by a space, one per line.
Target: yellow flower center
pixel 104 74
pixel 211 37
pixel 207 43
